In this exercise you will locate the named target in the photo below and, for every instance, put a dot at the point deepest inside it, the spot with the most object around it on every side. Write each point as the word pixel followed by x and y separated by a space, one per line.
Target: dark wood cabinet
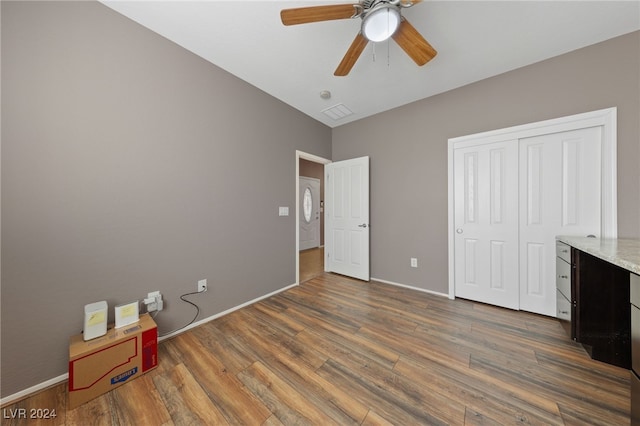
pixel 602 320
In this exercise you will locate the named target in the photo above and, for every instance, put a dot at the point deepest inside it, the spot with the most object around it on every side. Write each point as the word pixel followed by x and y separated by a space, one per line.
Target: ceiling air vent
pixel 337 112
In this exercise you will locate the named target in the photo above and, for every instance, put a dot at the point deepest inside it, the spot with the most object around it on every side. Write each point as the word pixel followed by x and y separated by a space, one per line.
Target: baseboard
pixel 436 293
pixel 223 313
pixel 56 380
pixel 33 389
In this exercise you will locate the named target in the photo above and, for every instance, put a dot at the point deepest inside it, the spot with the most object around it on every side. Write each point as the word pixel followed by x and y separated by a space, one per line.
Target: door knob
pixel 459 231
pixel 364 225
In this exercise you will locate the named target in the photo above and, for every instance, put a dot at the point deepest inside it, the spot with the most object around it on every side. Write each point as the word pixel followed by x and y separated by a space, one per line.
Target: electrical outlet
pixel 202 286
pixel 154 302
pixel 414 262
pixel 151 304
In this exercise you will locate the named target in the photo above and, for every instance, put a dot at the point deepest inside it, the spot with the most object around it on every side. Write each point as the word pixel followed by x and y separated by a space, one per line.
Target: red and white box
pixel 100 365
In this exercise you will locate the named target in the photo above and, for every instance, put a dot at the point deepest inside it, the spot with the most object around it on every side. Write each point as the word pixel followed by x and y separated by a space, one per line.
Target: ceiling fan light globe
pixel 380 24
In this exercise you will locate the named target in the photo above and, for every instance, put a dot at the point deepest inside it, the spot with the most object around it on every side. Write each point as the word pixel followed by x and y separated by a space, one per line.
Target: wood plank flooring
pixel 311 263
pixel 340 351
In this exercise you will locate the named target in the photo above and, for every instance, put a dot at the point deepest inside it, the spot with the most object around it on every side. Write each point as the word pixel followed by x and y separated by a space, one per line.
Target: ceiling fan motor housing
pixel 380 22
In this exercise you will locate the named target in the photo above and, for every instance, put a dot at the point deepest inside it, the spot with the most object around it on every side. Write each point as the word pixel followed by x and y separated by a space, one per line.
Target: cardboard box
pixel 100 365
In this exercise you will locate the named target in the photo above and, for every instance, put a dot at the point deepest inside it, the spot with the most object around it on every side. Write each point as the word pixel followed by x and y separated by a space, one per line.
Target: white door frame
pixel 310 157
pixel 607 118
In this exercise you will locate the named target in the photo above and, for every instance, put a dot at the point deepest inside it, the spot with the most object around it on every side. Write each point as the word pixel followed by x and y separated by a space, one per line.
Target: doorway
pixel 346 212
pixel 310 260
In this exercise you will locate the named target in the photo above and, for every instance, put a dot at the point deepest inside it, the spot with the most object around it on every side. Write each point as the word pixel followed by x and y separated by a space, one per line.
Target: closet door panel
pixel 560 194
pixel 486 239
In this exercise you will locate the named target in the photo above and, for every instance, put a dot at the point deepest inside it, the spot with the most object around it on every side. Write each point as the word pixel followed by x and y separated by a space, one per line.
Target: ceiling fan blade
pixel 303 15
pixel 413 43
pixel 352 55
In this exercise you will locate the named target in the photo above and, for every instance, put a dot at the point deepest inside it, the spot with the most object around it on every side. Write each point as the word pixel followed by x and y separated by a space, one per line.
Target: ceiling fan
pixel 381 19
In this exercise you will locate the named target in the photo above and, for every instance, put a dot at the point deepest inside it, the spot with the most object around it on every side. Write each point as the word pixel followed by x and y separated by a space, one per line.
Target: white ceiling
pixel 474 39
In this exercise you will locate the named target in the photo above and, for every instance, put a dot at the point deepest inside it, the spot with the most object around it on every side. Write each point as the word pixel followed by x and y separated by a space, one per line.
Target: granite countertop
pixel 622 252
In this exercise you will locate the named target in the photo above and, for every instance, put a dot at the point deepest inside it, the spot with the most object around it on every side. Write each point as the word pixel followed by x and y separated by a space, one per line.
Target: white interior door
pixel 486 223
pixel 309 212
pixel 347 217
pixel 560 194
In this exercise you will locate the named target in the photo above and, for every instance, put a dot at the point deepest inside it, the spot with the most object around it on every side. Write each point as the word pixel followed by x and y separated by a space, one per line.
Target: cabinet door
pixel 603 311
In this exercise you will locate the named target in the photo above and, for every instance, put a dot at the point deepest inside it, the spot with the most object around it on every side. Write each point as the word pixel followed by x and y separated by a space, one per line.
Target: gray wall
pixel 408 148
pixel 124 171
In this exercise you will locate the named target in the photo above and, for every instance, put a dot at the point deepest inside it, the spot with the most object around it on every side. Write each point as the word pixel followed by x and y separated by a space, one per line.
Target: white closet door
pixel 560 194
pixel 486 223
pixel 566 185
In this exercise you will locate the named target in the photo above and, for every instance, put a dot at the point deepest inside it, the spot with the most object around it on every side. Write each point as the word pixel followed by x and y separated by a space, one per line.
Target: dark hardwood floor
pixel 339 351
